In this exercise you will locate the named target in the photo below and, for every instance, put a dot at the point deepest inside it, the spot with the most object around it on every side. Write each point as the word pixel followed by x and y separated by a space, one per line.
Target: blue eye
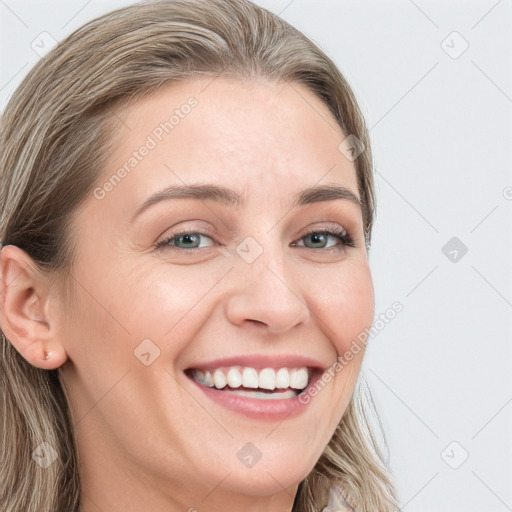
pixel 321 237
pixel 190 240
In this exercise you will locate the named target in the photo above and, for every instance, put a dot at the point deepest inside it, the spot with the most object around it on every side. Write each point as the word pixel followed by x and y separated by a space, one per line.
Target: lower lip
pixel 261 409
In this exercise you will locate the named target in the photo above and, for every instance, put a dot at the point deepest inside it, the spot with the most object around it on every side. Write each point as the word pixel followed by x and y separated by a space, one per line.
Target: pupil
pixel 317 238
pixel 188 239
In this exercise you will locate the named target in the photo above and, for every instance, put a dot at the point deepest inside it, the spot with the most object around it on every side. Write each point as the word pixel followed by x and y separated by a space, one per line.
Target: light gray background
pixel 441 126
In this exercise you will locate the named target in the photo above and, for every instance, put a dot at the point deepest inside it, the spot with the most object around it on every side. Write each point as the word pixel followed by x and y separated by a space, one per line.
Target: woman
pixel 187 202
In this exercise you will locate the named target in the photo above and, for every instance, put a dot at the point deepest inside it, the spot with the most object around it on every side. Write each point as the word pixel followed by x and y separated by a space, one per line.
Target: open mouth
pixel 265 383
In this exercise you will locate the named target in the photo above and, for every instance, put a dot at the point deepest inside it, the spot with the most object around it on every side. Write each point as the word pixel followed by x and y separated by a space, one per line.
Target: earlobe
pixel 25 315
pixel 44 355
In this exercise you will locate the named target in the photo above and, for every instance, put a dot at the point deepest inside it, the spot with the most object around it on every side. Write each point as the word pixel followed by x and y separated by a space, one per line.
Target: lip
pixel 255 408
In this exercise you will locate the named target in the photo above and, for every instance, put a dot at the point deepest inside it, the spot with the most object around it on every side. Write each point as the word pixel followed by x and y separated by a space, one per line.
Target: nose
pixel 267 292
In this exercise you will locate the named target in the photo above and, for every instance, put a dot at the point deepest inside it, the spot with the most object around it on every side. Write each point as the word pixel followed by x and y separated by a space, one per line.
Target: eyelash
pixel 340 234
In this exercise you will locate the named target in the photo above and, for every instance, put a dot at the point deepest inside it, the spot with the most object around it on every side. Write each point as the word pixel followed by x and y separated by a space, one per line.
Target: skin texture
pixel 148 438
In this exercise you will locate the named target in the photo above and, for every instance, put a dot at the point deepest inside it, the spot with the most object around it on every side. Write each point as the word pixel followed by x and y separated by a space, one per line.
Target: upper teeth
pixel 267 378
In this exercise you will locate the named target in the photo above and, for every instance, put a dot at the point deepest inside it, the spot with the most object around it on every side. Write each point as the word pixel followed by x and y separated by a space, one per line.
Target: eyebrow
pixel 232 198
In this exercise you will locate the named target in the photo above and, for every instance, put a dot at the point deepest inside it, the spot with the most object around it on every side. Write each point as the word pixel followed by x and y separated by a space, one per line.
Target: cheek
pixel 168 301
pixel 345 303
pixel 155 301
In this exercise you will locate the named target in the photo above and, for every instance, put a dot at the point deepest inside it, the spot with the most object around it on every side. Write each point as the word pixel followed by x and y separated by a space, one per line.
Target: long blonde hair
pixel 54 134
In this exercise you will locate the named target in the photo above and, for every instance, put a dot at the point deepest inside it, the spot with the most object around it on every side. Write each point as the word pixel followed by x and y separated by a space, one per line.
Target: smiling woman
pixel 187 202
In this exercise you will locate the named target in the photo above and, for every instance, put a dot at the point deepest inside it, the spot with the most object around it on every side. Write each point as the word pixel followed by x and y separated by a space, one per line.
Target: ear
pixel 27 319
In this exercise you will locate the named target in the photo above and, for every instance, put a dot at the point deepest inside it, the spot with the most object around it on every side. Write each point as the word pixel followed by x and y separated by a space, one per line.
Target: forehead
pixel 266 140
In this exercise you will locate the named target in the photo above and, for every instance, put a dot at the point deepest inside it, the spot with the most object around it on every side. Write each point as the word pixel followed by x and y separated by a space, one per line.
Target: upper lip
pixel 260 361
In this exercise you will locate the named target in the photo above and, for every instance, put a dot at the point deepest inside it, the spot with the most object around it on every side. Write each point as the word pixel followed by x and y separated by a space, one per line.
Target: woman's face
pixel 256 294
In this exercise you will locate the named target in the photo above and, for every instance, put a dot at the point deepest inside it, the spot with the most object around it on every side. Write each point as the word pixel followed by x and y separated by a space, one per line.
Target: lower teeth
pixel 266 395
pixel 276 395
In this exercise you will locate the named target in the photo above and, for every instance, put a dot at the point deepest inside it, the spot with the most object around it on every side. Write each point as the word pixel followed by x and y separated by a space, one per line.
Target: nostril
pixel 258 322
